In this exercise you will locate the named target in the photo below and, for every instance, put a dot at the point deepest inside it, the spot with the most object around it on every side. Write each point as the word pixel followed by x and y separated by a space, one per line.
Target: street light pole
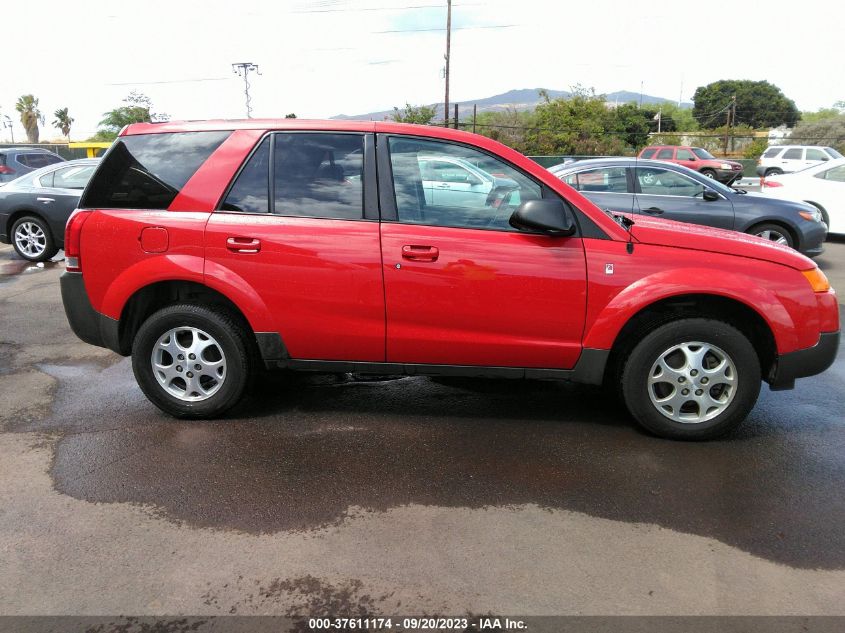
pixel 242 69
pixel 448 55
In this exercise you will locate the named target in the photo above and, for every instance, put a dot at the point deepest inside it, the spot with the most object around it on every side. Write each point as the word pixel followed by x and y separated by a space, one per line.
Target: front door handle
pixel 443 185
pixel 420 253
pixel 653 210
pixel 243 244
pixel 46 200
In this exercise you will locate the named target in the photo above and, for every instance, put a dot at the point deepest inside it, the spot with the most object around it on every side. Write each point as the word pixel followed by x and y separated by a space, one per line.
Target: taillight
pixel 6 170
pixel 771 183
pixel 73 235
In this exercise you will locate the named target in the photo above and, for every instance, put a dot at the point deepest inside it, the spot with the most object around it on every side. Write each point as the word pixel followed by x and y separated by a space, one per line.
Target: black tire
pixel 44 249
pixel 769 230
pixel 724 337
pixel 773 171
pixel 235 346
pixel 709 173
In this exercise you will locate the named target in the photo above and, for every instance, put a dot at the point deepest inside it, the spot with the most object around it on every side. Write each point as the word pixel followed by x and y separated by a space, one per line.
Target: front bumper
pixel 88 324
pixel 804 362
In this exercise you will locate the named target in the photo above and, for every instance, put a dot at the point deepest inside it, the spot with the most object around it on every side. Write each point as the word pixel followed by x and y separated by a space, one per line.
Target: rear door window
pixel 603 180
pixel 772 152
pixel 648 153
pixel 665 154
pixel 147 171
pixel 318 175
pixel 793 154
pixel 37 161
pixel 74 177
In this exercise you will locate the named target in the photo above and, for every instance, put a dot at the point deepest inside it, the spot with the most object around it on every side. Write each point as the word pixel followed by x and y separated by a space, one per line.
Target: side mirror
pixel 710 195
pixel 545 216
pixel 474 180
pixel 692 157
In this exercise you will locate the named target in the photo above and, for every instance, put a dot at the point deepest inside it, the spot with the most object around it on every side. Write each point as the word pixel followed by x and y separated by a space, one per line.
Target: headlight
pixel 814 216
pixel 724 166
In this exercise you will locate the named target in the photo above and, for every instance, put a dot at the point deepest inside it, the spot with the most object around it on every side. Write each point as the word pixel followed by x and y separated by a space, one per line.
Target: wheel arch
pixel 793 232
pixel 160 294
pixel 719 307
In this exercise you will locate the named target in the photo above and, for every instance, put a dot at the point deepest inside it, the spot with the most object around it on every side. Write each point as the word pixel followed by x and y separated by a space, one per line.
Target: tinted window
pixel 319 175
pixel 250 192
pixel 480 198
pixel 603 179
pixel 772 152
pixel 37 161
pixel 792 154
pixel 685 154
pixel 648 153
pixel 147 171
pixel 75 177
pixel 664 182
pixel 664 154
pixel 816 154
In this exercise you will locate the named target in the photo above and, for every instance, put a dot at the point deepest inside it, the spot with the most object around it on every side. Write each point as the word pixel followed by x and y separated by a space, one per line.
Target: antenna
pixel 242 69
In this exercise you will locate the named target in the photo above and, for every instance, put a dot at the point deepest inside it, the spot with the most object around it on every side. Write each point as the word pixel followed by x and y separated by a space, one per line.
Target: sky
pixel 320 58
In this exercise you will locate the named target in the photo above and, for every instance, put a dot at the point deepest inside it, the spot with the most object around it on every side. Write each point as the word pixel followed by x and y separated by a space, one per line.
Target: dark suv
pixel 207 249
pixel 17 161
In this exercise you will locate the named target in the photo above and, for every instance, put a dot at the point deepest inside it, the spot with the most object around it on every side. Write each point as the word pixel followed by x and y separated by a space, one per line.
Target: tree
pixel 63 121
pixel 31 116
pixel 413 114
pixel 758 104
pixel 829 131
pixel 137 110
pixel 290 116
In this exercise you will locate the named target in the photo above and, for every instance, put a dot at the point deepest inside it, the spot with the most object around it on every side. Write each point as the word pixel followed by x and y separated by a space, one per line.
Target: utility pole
pixel 474 115
pixel 456 116
pixel 448 55
pixel 731 117
pixel 242 69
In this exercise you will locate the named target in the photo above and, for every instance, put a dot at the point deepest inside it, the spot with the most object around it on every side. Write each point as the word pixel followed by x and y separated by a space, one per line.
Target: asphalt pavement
pixel 399 495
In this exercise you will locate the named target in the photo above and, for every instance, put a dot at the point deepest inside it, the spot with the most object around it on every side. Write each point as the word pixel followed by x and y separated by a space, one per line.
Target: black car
pixel 674 192
pixel 17 161
pixel 34 208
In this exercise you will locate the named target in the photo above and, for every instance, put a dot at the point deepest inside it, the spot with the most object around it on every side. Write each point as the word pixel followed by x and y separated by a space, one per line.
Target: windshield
pixel 703 154
pixel 833 152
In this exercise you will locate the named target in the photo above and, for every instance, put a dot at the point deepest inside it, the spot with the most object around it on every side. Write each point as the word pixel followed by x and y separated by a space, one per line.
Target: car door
pixel 827 188
pixel 673 195
pixel 792 159
pixel 59 192
pixel 686 158
pixel 462 287
pixel 608 187
pixel 299 234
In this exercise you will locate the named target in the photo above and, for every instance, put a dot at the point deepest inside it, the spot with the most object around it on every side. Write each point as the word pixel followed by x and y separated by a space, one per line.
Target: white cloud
pixel 331 56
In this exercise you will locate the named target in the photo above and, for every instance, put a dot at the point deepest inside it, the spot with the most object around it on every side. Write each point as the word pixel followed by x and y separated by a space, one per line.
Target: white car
pixel 822 185
pixel 785 159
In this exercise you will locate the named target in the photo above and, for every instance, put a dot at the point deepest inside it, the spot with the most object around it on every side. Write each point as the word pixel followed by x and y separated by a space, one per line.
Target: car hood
pixel 704 238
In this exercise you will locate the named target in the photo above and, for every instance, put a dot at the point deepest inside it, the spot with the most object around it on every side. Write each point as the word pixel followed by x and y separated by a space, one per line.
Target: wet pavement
pixel 316 454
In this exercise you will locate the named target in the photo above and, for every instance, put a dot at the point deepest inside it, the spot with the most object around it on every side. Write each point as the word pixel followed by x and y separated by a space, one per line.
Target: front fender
pixel 602 331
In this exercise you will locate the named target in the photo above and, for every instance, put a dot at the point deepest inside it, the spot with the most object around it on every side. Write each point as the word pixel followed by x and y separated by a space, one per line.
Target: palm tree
pixel 63 121
pixel 31 116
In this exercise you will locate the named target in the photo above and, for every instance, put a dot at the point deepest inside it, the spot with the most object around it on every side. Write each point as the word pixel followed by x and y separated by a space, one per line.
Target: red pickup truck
pixel 210 250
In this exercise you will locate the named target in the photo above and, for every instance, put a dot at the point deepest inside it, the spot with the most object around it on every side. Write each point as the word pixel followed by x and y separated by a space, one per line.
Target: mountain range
pixel 522 99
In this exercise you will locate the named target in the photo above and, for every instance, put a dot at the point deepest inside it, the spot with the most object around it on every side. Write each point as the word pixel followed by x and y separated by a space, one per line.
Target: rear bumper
pixel 88 324
pixel 804 362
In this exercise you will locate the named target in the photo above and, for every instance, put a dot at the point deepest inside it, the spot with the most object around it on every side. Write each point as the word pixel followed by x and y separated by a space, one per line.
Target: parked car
pixel 34 208
pixel 822 185
pixel 696 158
pixel 626 185
pixel 17 161
pixel 785 159
pixel 455 182
pixel 203 249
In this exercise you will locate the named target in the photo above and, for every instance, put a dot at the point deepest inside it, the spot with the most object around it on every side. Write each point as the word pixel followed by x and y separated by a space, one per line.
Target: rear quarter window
pixel 772 152
pixel 147 171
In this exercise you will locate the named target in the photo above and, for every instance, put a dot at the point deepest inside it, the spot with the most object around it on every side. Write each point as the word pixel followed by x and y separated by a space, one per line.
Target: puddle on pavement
pixel 307 448
pixel 16 266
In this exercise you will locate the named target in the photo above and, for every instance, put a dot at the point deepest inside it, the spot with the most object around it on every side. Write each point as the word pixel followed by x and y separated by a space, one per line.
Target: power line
pixel 455 28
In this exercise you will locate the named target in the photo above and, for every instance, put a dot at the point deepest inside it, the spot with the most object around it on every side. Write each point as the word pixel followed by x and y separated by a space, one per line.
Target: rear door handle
pixel 243 244
pixel 46 200
pixel 420 253
pixel 653 210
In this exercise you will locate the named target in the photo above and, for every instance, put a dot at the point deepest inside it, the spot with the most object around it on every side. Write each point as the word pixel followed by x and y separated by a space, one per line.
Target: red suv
pixel 209 250
pixel 696 158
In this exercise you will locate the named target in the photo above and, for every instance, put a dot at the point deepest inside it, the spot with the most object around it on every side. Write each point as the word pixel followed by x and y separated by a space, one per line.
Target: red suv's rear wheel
pixel 192 361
